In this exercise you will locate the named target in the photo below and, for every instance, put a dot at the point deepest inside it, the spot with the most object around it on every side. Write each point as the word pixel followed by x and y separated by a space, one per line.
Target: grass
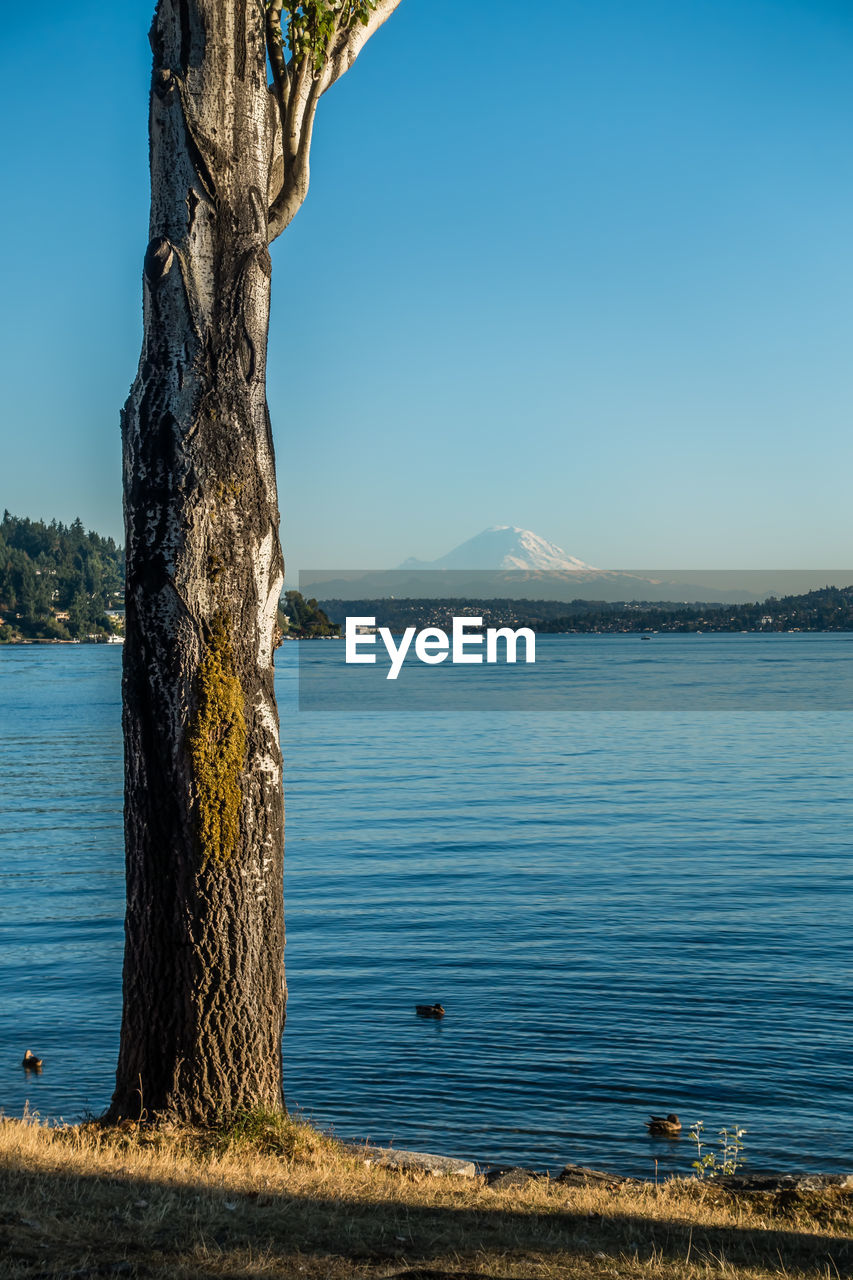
pixel 271 1197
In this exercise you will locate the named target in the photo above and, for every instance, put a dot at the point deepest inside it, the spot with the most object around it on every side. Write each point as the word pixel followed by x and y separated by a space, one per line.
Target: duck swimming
pixel 30 1062
pixel 669 1126
pixel 429 1010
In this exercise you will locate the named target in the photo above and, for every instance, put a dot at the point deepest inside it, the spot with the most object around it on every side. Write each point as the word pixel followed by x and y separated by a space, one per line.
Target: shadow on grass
pixel 58 1223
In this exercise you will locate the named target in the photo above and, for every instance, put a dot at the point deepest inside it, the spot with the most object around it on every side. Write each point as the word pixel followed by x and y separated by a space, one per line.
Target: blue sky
pixel 584 269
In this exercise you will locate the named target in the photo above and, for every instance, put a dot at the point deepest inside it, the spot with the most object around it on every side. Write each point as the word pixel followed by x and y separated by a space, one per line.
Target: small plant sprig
pixel 713 1164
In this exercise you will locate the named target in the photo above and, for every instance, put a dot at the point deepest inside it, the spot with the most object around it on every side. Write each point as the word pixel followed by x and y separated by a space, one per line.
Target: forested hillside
pixel 57 581
pixel 303 619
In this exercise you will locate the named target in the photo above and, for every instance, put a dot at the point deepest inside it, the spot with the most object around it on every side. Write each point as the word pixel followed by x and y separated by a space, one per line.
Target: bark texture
pixel 204 992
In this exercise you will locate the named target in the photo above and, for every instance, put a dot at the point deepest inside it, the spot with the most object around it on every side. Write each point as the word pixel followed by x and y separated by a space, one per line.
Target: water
pixel 620 911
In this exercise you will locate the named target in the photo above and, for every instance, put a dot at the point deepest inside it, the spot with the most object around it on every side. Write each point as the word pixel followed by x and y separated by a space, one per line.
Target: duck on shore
pixel 429 1010
pixel 30 1062
pixel 666 1126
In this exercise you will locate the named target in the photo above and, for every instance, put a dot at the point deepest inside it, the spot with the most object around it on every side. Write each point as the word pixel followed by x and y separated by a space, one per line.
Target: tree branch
pixel 307 127
pixel 298 85
pixel 275 50
pixel 296 167
pixel 301 89
pixel 350 43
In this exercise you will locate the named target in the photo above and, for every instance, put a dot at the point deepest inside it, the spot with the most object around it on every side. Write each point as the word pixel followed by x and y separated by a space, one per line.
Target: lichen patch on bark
pixel 217 747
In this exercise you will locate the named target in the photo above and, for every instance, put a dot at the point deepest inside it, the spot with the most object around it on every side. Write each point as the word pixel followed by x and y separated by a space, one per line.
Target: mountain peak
pixel 504 546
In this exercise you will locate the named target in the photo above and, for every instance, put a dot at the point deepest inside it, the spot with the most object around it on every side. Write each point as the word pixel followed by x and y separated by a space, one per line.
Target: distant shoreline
pixel 824 610
pixel 642 633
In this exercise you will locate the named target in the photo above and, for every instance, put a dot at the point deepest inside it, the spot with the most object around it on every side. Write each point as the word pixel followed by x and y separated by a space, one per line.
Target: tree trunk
pixel 204 990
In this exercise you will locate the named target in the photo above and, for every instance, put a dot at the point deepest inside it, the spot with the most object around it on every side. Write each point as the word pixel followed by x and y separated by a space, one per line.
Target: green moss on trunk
pixel 217 746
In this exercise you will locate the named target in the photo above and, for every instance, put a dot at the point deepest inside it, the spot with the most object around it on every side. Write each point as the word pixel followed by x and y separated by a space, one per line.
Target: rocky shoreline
pixel 503 1177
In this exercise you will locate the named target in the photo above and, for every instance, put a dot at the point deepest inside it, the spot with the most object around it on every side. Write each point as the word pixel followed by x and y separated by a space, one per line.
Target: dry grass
pixel 272 1198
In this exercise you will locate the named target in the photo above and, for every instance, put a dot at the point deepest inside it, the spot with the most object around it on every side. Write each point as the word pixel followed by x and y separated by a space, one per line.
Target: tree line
pixel 826 609
pixel 57 581
pixel 302 619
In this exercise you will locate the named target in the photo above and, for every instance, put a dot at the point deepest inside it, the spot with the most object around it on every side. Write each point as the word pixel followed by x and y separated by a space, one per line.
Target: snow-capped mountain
pixel 505 546
pixel 512 563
